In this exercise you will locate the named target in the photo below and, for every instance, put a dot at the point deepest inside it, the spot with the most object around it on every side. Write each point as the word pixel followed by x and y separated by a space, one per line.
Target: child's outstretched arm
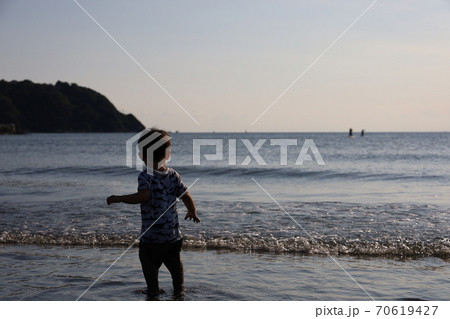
pixel 137 198
pixel 191 211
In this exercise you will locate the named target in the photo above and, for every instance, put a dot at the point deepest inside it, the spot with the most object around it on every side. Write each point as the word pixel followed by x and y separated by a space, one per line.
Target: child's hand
pixel 192 215
pixel 111 199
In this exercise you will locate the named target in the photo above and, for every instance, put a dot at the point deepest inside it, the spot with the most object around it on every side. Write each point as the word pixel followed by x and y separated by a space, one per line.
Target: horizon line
pixel 244 132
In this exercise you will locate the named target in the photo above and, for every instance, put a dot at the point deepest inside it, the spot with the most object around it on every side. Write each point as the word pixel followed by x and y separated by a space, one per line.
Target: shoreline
pixel 225 250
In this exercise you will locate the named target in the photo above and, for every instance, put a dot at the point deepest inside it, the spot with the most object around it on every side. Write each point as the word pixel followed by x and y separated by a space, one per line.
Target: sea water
pixel 379 208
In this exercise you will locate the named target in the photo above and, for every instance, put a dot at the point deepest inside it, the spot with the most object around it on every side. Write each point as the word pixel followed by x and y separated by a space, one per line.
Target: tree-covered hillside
pixel 62 107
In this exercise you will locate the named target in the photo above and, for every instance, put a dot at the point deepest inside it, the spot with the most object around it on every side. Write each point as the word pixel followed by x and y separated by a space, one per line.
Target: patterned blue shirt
pixel 164 188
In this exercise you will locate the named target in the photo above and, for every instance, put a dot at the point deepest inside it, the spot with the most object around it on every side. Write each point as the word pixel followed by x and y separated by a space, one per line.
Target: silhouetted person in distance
pixel 362 133
pixel 350 132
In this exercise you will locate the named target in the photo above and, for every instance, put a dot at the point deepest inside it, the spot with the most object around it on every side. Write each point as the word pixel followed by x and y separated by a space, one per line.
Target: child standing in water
pixel 159 188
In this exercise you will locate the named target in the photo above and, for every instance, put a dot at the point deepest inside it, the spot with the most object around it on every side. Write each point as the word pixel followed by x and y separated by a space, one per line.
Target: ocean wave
pixel 68 170
pixel 298 245
pixel 230 171
pixel 400 248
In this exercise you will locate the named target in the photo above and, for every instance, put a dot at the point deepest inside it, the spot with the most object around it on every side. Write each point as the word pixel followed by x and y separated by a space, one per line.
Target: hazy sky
pixel 227 61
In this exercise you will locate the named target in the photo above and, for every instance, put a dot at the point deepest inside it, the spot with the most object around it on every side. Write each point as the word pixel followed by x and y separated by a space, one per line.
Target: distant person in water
pixel 159 187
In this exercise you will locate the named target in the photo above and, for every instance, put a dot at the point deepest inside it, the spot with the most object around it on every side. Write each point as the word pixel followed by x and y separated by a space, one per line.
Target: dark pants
pixel 152 256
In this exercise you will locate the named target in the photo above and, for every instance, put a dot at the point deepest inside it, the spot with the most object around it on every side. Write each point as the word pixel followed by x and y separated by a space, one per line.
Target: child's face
pixel 168 154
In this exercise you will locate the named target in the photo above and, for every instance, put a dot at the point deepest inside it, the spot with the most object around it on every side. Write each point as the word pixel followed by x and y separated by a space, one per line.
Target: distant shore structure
pixel 350 132
pixel 7 129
